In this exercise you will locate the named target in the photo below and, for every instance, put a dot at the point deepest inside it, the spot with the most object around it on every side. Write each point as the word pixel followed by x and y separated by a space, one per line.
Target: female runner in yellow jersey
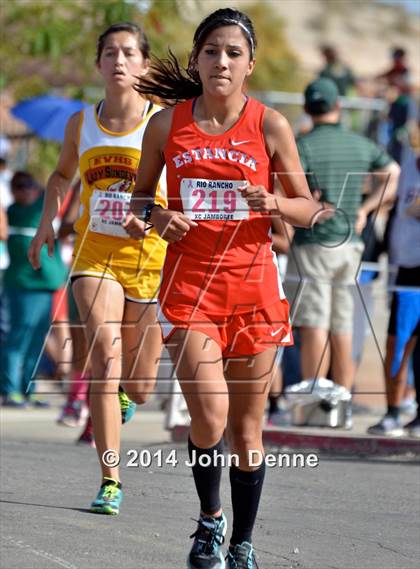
pixel 115 277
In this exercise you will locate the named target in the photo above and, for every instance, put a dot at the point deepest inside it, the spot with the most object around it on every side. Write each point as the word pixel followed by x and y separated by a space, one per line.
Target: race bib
pixel 108 211
pixel 205 200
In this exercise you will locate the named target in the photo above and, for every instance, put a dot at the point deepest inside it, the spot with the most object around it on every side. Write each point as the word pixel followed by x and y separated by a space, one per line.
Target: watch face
pixel 147 210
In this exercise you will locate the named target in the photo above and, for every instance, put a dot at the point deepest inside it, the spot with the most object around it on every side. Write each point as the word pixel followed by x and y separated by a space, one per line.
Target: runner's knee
pixel 207 429
pixel 245 436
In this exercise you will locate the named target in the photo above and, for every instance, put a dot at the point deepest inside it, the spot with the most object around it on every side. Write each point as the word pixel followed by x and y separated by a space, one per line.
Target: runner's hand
pixel 45 234
pixel 171 225
pixel 134 227
pixel 258 198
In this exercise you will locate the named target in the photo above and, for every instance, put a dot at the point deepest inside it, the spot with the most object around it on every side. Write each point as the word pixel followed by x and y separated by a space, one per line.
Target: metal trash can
pixel 319 403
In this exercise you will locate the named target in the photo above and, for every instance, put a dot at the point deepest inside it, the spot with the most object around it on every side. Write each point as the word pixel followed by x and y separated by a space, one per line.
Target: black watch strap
pixel 147 211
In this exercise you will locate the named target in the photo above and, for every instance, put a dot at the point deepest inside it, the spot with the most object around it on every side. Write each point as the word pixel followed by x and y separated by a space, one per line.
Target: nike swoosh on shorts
pixel 276 331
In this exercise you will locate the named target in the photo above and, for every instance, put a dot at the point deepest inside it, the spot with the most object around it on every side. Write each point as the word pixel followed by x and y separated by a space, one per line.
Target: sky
pixel 412 6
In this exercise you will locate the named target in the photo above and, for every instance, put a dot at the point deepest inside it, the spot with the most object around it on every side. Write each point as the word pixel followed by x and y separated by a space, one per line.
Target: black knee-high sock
pixel 207 478
pixel 246 490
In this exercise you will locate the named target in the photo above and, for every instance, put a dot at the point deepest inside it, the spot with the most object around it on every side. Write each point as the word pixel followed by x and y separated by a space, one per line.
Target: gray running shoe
pixel 388 426
pixel 208 537
pixel 241 557
pixel 412 429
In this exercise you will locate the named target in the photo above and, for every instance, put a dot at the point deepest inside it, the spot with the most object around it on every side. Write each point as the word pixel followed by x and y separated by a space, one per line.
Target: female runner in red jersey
pixel 224 308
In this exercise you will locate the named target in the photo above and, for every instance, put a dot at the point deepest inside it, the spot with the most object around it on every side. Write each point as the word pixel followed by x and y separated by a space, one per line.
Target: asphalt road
pixel 343 514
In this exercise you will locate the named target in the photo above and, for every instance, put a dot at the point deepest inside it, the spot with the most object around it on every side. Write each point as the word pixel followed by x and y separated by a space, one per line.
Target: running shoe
pixel 72 414
pixel 412 429
pixel 388 426
pixel 14 400
pixel 408 405
pixel 108 499
pixel 208 537
pixel 241 556
pixel 33 400
pixel 128 407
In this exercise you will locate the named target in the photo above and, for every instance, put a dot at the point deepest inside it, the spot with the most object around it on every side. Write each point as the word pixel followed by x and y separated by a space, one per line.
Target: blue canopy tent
pixel 47 115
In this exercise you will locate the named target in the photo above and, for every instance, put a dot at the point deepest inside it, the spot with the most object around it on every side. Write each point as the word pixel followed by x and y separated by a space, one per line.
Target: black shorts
pixel 405 277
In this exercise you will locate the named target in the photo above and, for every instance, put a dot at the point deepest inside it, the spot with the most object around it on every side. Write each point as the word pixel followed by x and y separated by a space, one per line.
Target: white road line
pixel 41 553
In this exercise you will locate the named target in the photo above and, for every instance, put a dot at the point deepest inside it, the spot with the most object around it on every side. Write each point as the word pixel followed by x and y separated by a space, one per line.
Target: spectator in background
pixel 281 234
pixel 3 239
pixel 398 91
pixel 5 177
pixel 336 162
pixel 337 71
pixel 3 224
pixel 28 293
pixel 398 74
pixel 404 321
pixel 5 198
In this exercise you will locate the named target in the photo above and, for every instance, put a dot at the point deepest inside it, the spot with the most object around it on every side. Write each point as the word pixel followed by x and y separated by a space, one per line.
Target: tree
pixel 51 44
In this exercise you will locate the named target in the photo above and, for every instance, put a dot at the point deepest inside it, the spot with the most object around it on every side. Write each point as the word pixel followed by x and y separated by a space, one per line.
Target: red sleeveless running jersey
pixel 225 265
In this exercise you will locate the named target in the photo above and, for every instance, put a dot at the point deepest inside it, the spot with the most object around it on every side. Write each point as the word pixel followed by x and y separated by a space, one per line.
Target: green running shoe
pixel 15 400
pixel 128 407
pixel 108 499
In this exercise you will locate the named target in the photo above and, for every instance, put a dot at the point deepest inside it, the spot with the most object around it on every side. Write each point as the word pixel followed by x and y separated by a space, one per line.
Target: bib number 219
pixel 213 199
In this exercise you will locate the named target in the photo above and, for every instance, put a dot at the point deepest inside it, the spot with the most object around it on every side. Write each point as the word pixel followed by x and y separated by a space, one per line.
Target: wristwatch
pixel 147 212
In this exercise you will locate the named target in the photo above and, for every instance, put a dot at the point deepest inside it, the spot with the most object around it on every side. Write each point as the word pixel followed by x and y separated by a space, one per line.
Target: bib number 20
pixel 110 209
pixel 107 212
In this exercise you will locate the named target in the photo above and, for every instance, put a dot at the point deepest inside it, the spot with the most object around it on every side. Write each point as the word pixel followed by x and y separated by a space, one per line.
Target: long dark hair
pixel 169 81
pixel 133 29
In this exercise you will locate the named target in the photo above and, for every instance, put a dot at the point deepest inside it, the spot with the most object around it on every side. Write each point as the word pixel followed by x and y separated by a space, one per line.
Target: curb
pixel 354 445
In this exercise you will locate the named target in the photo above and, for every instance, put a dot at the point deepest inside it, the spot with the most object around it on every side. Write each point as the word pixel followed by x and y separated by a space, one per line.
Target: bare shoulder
pixel 277 131
pixel 162 120
pixel 73 127
pixel 159 126
pixel 275 123
pixel 74 120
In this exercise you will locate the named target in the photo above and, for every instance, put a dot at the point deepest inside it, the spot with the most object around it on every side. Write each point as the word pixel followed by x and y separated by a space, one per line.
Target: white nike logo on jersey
pixel 238 142
pixel 276 331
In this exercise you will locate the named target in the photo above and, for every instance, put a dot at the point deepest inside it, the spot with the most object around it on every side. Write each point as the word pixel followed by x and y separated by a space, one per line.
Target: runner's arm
pixel 61 179
pixel 152 161
pixel 72 212
pixel 57 186
pixel 170 225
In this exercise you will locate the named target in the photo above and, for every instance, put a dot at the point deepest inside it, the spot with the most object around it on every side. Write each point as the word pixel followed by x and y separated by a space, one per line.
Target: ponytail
pixel 167 80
